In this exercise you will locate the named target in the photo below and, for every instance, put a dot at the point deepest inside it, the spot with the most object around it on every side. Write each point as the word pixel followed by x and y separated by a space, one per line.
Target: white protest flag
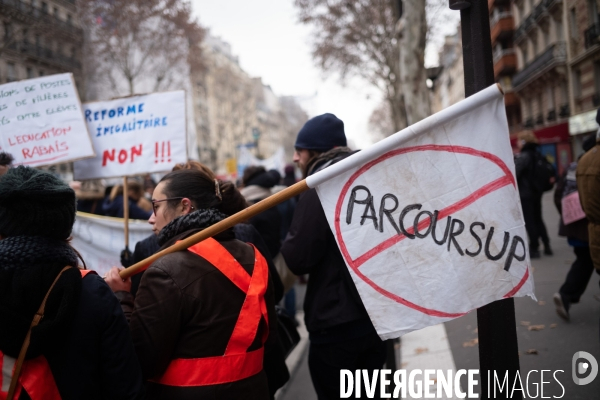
pixel 99 239
pixel 135 135
pixel 429 220
pixel 41 121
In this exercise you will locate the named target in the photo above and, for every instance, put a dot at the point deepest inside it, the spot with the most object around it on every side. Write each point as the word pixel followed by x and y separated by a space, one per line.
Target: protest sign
pixel 571 208
pixel 247 159
pixel 42 121
pixel 100 239
pixel 135 135
pixel 429 220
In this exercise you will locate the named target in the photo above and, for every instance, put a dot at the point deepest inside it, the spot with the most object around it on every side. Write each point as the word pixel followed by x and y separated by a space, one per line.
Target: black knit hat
pixel 322 133
pixel 35 203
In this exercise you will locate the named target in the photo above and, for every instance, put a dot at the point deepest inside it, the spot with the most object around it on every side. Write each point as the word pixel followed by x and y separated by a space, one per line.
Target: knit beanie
pixel 322 133
pixel 35 203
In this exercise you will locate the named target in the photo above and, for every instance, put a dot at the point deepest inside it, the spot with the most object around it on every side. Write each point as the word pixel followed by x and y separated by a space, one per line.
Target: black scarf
pixel 28 266
pixel 326 159
pixel 199 219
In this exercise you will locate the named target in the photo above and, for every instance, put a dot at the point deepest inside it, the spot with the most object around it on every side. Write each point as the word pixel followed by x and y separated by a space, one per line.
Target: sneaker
pixel 562 308
pixel 534 254
pixel 548 251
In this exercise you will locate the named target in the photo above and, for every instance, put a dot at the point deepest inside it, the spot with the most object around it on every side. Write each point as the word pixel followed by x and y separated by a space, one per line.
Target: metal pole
pixel 498 347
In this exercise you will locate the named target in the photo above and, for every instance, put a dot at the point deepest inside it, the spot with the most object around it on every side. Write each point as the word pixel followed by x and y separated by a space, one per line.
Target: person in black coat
pixel 258 183
pixel 531 199
pixel 83 334
pixel 341 333
pixel 274 360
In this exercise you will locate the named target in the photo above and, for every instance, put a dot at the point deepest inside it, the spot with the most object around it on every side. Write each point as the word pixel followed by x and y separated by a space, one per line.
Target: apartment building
pixel 39 38
pixel 584 65
pixel 502 27
pixel 542 78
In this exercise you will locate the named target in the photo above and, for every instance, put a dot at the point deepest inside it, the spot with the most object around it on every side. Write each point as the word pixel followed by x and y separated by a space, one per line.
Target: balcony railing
pixel 46 54
pixel 564 111
pixel 551 115
pixel 26 9
pixel 538 13
pixel 592 35
pixel 554 55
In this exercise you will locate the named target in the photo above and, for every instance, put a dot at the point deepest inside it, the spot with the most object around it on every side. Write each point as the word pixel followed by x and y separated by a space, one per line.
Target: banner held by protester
pixel 42 121
pixel 135 135
pixel 100 239
pixel 432 229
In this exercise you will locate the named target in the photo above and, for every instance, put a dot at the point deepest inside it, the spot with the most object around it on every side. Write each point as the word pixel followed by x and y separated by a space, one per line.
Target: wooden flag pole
pixel 219 227
pixel 126 211
pixel 496 325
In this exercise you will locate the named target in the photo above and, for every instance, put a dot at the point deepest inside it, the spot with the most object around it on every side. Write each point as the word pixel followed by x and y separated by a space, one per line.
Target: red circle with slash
pixel 506 180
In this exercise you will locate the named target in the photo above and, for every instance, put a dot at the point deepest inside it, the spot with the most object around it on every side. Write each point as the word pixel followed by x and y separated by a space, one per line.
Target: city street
pixel 550 340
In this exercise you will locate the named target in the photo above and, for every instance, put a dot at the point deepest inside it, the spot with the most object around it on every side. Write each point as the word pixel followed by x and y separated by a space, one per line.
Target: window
pixel 8 31
pixel 11 72
pixel 29 73
pixel 44 7
pixel 534 47
pixel 69 19
pixel 42 72
pixel 592 12
pixel 550 96
pixel 564 93
pixel 56 12
pixel 540 105
pixel 577 83
pixel 560 35
pixel 525 55
pixel 573 23
pixel 597 76
pixel 38 40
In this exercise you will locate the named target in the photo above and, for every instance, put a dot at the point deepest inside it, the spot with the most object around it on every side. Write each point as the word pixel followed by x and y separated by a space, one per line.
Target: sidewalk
pixel 296 357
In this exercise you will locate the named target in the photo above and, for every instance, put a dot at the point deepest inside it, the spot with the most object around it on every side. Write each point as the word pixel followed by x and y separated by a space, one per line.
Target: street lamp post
pixel 256 136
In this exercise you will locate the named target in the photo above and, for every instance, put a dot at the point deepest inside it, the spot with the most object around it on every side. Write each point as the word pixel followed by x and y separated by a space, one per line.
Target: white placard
pixel 41 121
pixel 135 135
pixel 431 228
pixel 100 240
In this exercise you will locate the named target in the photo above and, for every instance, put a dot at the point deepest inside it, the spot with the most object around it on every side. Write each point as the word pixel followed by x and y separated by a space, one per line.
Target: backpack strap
pixel 36 320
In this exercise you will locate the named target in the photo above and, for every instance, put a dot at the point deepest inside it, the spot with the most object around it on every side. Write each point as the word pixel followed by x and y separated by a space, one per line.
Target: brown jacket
pixel 588 185
pixel 186 308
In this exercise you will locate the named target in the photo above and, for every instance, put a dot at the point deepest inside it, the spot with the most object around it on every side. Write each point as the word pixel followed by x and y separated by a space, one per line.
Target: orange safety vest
pixel 237 363
pixel 36 377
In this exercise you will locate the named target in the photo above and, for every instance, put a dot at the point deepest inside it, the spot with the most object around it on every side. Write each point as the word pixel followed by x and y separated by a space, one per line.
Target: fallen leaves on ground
pixel 552 326
pixel 525 323
pixel 536 327
pixel 542 303
pixel 471 343
pixel 531 351
pixel 420 350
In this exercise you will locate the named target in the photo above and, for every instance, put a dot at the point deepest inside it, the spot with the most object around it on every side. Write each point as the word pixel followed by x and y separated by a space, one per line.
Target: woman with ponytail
pixel 203 317
pixel 81 346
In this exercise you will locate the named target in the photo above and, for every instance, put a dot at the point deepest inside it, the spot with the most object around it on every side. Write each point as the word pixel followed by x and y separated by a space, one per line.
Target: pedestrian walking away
pixel 531 188
pixel 577 235
pixel 81 348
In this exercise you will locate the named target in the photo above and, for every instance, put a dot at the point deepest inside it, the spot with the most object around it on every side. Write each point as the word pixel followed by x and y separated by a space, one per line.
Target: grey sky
pixel 272 45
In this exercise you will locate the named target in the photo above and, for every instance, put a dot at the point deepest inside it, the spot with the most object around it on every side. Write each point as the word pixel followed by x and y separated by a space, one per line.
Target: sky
pixel 269 42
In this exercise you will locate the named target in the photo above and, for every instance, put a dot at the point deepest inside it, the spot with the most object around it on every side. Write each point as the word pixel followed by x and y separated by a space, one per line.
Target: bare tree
pixel 358 38
pixel 380 122
pixel 141 41
pixel 413 76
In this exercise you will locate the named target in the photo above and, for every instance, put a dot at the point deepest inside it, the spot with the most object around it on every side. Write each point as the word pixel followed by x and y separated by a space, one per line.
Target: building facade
pixel 233 109
pixel 448 79
pixel 542 79
pixel 502 27
pixel 584 65
pixel 39 38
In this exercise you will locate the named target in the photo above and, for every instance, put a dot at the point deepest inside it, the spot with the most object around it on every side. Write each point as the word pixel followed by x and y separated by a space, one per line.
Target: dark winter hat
pixel 35 203
pixel 588 143
pixel 321 133
pixel 256 175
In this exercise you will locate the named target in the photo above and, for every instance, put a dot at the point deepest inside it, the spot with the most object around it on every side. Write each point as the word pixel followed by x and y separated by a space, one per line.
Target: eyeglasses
pixel 154 205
